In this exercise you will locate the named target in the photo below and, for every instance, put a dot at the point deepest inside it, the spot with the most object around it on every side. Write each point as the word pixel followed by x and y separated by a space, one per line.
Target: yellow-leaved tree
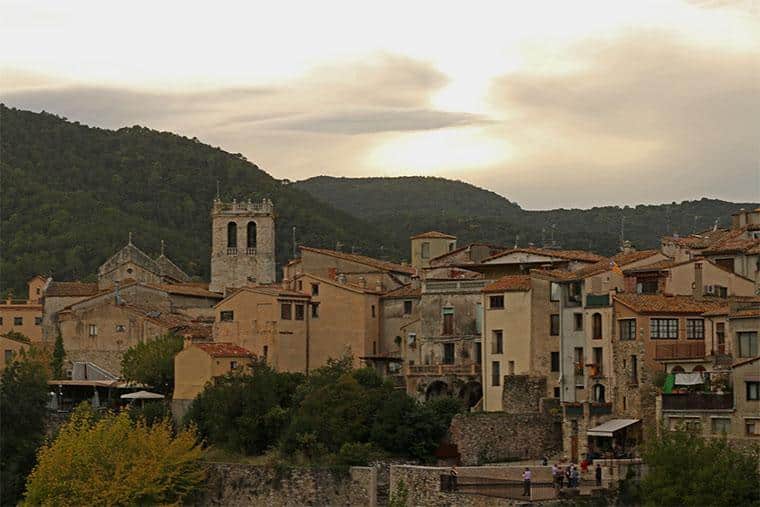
pixel 111 460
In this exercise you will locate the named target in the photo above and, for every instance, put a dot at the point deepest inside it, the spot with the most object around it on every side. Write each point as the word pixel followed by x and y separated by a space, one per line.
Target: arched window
pixel 251 237
pixel 596 321
pixel 232 235
pixel 676 369
pixel 599 393
pixel 699 367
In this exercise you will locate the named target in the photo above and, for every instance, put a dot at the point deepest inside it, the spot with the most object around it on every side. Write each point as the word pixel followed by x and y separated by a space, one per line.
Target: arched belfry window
pixel 251 235
pixel 232 235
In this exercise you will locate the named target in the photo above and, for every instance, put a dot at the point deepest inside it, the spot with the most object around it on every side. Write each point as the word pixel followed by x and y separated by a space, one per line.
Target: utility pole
pixel 622 231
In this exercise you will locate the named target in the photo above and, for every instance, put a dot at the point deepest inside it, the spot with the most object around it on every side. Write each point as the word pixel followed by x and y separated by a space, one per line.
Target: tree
pixel 114 461
pixel 152 363
pixel 56 364
pixel 23 399
pixel 685 469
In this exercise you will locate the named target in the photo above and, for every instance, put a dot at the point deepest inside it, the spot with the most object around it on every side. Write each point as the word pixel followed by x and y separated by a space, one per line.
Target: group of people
pixel 572 474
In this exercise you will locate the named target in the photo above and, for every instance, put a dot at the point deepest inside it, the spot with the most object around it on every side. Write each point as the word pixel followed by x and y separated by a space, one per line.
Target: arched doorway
pixel 471 393
pixel 436 389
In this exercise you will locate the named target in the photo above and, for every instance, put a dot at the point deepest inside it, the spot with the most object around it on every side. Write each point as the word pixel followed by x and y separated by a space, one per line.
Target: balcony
pixel 231 250
pixel 593 301
pixel 573 409
pixel 444 369
pixel 681 350
pixel 598 408
pixel 698 401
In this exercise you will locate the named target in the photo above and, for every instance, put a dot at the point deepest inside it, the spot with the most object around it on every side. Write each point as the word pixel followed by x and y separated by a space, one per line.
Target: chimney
pixel 698 288
pixel 341 279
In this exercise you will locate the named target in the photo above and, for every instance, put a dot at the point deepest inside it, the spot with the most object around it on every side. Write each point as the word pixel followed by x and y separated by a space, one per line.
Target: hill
pixel 411 204
pixel 71 193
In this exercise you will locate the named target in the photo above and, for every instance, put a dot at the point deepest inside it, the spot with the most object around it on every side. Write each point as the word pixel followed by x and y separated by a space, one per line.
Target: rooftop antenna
pixel 696 217
pixel 130 237
pixel 162 247
pixel 294 241
pixel 217 189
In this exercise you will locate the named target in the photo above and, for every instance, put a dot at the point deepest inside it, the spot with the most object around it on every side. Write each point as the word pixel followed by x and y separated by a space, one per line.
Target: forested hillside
pixel 71 193
pixel 410 204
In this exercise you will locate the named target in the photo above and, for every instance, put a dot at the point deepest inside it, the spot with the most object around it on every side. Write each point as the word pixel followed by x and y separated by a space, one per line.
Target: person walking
pixel 569 476
pixel 576 476
pixel 598 475
pixel 555 476
pixel 560 477
pixel 526 476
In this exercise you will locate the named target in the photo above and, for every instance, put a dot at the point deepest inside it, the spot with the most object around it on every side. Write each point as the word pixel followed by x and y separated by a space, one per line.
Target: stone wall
pixel 239 484
pixel 490 437
pixel 522 393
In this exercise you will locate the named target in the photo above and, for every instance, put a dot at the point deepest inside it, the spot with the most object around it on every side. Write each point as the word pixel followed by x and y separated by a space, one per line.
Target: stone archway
pixel 436 389
pixel 471 393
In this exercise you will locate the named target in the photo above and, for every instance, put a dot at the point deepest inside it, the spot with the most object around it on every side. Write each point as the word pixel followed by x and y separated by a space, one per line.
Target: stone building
pixel 683 278
pixel 131 263
pixel 24 315
pixel 242 244
pixel 399 311
pixel 271 322
pixel 429 245
pixel 10 346
pixel 59 295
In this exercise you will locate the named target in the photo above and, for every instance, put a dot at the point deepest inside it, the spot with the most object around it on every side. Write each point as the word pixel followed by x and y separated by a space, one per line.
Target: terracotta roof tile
pixel 748 313
pixel 556 275
pixel 624 258
pixel 185 290
pixel 660 303
pixel 433 234
pixel 363 259
pixel 573 255
pixel 221 349
pixel 405 291
pixel 71 289
pixel 745 361
pixel 509 283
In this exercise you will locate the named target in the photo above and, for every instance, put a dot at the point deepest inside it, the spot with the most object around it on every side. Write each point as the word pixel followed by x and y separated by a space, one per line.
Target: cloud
pixel 641 118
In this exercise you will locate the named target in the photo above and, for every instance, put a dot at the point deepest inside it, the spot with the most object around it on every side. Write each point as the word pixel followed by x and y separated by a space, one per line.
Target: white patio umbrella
pixel 142 396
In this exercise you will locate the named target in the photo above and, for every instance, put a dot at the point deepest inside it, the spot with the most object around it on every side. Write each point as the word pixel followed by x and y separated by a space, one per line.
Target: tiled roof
pixel 184 289
pixel 509 283
pixel 748 313
pixel 573 255
pixel 363 259
pixel 657 266
pixel 220 349
pixel 71 289
pixel 278 292
pixel 624 258
pixel 450 257
pixel 171 270
pixel 745 361
pixel 734 242
pixel 433 234
pixel 699 240
pixel 556 275
pixel 405 291
pixel 660 303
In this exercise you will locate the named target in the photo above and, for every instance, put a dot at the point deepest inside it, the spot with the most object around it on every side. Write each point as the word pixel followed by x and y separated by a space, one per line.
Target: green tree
pixel 23 399
pixel 152 363
pixel 114 461
pixel 56 363
pixel 685 469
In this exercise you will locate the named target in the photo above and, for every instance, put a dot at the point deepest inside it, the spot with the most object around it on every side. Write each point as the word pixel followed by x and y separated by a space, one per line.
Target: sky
pixel 550 104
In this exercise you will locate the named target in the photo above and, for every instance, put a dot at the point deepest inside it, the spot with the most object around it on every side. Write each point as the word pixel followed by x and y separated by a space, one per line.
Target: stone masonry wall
pixel 239 484
pixel 522 393
pixel 490 437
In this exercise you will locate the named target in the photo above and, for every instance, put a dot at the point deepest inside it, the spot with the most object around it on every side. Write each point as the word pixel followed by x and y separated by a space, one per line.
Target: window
pixel 497 343
pixel 695 329
pixel 315 310
pixel 8 356
pixel 496 302
pixel 478 352
pixel 300 285
pixel 753 391
pixel 448 321
pixel 227 316
pixel 231 235
pixel 596 320
pixel 425 250
pixel 286 311
pixel 578 319
pixel 747 343
pixel 554 291
pixel 407 307
pixel 1 321
pixel 448 353
pixel 554 324
pixel 374 348
pixel 93 330
pixel 38 321
pixel 251 236
pixel 373 311
pixel 233 365
pixel 556 392
pixel 720 335
pixel 625 403
pixel 634 370
pixel 693 425
pixel 555 361
pixel 511 365
pixel 18 321
pixel 300 312
pixel 598 357
pixel 38 291
pixel 598 392
pixel 578 354
pixel 721 426
pixel 120 328
pixel 647 287
pixel 628 329
pixel 496 373
pixel 663 329
pixel 752 427
pixel 451 246
pixel 266 351
pixel 315 289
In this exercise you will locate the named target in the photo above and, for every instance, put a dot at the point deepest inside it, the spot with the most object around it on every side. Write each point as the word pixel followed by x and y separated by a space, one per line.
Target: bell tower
pixel 242 244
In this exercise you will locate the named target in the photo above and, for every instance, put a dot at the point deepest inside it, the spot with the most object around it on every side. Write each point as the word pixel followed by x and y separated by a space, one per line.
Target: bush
pixel 114 461
pixel 152 412
pixel 152 363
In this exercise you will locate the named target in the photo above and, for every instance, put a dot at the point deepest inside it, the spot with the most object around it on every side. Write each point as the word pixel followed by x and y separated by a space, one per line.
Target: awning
pixel 610 427
pixel 142 395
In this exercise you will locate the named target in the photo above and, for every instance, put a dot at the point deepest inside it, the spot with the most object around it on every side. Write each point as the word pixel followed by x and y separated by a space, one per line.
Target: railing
pixel 265 206
pixel 680 350
pixel 574 409
pixel 500 488
pixel 444 369
pixel 600 408
pixel 698 401
pixel 593 301
pixel 231 250
pixel 250 251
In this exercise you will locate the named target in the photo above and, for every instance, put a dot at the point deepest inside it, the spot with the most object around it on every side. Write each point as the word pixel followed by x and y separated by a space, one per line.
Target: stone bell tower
pixel 242 244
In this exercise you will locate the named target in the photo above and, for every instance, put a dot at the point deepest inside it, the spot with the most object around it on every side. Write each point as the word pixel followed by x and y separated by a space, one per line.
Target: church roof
pixel 130 253
pixel 171 270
